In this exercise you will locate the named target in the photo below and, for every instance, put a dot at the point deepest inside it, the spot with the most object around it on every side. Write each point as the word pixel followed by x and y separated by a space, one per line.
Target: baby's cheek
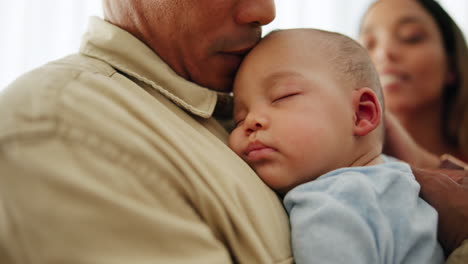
pixel 234 141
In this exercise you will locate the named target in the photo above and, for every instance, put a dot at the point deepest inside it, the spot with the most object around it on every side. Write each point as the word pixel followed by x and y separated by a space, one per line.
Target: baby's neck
pixel 368 159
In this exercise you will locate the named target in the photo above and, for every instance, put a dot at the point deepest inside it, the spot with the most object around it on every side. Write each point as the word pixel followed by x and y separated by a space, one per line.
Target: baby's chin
pixel 276 183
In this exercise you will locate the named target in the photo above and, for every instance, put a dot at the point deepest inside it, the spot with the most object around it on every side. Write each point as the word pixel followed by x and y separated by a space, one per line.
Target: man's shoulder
pixel 62 71
pixel 55 76
pixel 38 98
pixel 80 63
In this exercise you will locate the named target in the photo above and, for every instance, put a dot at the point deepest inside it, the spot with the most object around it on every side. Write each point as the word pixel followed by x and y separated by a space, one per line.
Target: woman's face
pixel 406 46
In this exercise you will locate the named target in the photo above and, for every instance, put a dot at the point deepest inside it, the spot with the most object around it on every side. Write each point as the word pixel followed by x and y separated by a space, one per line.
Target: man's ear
pixel 367 111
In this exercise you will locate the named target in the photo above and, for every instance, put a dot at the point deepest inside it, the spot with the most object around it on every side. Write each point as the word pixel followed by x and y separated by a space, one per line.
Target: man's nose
pixel 256 12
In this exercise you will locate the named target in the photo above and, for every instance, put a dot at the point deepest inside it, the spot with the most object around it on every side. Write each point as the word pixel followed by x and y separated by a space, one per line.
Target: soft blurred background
pixel 35 32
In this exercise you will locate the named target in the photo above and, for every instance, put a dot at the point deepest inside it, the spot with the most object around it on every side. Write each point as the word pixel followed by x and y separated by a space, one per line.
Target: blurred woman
pixel 422 60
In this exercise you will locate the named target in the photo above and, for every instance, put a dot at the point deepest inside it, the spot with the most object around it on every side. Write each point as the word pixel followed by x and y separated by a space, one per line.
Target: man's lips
pixel 234 57
pixel 256 151
pixel 240 51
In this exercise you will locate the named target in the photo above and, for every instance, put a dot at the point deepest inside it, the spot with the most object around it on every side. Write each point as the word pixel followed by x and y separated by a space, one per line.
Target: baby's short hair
pixel 347 58
pixel 351 61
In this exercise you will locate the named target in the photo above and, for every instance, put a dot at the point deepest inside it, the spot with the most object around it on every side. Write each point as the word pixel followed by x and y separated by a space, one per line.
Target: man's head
pixel 203 41
pixel 306 102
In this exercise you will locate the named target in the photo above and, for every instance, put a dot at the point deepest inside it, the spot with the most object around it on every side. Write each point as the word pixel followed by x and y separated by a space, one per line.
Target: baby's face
pixel 294 119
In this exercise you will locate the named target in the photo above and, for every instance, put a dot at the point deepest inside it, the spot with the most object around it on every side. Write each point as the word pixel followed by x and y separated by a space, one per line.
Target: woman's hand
pixel 447 192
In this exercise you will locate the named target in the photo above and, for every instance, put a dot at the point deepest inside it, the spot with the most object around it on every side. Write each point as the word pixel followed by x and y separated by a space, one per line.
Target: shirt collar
pixel 129 55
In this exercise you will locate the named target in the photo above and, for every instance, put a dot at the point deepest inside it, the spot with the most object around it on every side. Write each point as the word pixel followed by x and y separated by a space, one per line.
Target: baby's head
pixel 306 102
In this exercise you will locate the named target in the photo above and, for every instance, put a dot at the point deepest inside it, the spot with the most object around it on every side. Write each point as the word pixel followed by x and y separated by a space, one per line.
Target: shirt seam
pixel 109 150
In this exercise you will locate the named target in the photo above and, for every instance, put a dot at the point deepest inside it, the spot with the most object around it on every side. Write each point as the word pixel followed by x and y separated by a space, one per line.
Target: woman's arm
pixel 399 144
pixel 446 190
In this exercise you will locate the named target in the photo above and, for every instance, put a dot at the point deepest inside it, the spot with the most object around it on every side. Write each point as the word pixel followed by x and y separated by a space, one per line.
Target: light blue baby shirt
pixel 363 215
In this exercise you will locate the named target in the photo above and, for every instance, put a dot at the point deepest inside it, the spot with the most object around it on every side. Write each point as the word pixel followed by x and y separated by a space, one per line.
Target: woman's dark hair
pixel 455 96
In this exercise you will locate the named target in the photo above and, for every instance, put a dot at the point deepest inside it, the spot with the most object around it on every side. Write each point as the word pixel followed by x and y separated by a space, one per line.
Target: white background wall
pixel 36 31
pixel 344 15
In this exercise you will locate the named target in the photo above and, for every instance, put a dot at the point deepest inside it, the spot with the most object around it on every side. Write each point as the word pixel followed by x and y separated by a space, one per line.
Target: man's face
pixel 204 41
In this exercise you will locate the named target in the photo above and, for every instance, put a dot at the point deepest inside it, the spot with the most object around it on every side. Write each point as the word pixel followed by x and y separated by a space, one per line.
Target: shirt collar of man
pixel 132 57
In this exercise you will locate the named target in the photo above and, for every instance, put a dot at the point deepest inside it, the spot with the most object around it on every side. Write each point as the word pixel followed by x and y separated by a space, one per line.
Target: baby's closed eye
pixel 285 97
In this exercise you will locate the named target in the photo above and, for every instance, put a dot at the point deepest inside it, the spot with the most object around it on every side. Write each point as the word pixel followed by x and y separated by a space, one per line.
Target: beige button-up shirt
pixel 108 156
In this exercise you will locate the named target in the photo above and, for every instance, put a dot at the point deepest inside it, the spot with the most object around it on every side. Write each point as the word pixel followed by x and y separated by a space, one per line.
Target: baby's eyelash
pixel 285 96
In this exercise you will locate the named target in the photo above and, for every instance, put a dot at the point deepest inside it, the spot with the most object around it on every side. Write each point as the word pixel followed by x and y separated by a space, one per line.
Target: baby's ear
pixel 367 111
